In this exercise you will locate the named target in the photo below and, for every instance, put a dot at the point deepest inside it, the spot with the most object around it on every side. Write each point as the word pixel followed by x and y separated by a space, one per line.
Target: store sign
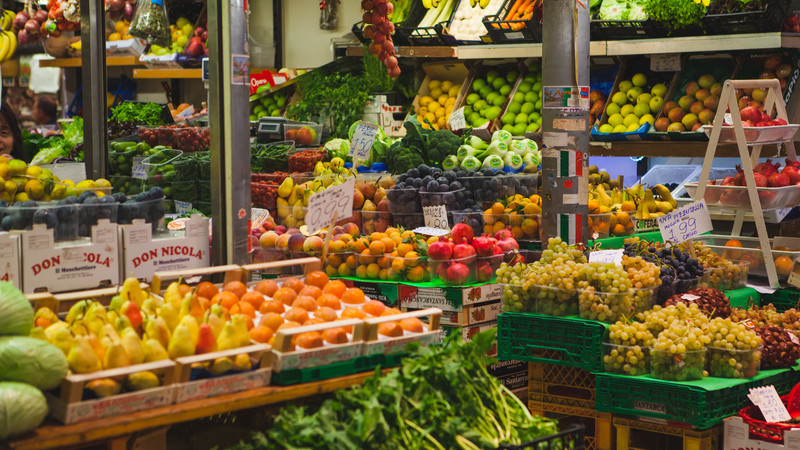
pixel 685 223
pixel 335 201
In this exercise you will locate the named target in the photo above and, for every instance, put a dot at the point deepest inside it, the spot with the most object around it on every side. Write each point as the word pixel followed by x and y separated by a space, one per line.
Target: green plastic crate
pixel 564 341
pixel 701 404
pixel 740 298
pixel 340 369
pixel 619 241
pixel 782 299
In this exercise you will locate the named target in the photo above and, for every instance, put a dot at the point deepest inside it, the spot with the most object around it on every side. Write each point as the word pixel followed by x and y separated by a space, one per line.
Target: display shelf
pixel 194 74
pixel 77 62
pixel 52 435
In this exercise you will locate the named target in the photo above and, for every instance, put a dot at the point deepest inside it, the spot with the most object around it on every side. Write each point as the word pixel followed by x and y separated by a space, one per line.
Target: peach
pixel 702 94
pixel 283 241
pixel 661 124
pixel 711 102
pixel 677 126
pixel 269 239
pixel 351 229
pixel 312 245
pixel 296 242
pixel 676 114
pixel 692 87
pixel 685 102
pixel 696 107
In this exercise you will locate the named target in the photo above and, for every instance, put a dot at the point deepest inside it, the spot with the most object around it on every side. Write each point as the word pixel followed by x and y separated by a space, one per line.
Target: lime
pixel 491 76
pixel 505 90
pixel 499 100
pixel 508 118
pixel 519 97
pixel 515 107
pixel 508 127
pixel 533 126
pixel 512 76
pixel 528 108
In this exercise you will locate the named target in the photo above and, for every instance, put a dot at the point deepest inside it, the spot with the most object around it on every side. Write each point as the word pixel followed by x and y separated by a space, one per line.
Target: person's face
pixel 6 137
pixel 38 114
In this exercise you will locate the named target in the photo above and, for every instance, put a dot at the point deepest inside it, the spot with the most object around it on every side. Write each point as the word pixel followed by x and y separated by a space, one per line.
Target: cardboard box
pixel 383 292
pixel 455 72
pixel 10 259
pixel 69 266
pixel 515 381
pixel 471 315
pixel 737 437
pixel 127 47
pixel 469 331
pixel 502 368
pixel 143 255
pixel 160 61
pixel 389 117
pixel 447 298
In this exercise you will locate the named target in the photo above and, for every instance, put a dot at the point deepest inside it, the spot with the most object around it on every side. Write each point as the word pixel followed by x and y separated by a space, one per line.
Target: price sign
pixel 770 404
pixel 606 256
pixel 665 62
pixel 428 231
pixel 138 171
pixel 182 207
pixel 335 199
pixel 457 120
pixel 685 223
pixel 435 216
pixel 363 137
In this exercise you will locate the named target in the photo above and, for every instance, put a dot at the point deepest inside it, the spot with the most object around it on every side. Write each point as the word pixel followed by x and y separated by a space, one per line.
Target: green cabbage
pixel 22 409
pixel 33 361
pixel 16 312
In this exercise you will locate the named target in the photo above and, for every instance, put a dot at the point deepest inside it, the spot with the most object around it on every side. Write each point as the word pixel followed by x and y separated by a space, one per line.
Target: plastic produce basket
pixel 655 29
pixel 768 19
pixel 358 32
pixel 445 28
pixel 554 340
pixel 617 30
pixel 503 31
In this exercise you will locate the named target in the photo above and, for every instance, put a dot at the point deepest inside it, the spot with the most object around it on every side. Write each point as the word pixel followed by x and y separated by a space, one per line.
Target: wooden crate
pixel 645 434
pixel 281 269
pixel 375 344
pixel 285 358
pixel 219 274
pixel 599 430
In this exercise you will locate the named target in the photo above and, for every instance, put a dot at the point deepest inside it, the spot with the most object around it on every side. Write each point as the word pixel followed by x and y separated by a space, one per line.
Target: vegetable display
pixel 420 146
pixel 441 397
pixel 31 361
pixel 501 153
pixel 60 147
pixel 16 313
pixel 143 113
pixel 674 16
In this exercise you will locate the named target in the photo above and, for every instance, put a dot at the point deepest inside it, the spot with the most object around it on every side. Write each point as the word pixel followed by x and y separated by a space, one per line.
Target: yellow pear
pixel 38 333
pixel 240 324
pixel 154 351
pixel 173 295
pixel 61 338
pixel 157 329
pixel 181 343
pixel 194 327
pixel 116 356
pixel 133 346
pixel 104 387
pixel 149 306
pixel 142 380
pixel 220 366
pixel 81 357
pixel 215 323
pixel 242 362
pixel 228 339
pixel 51 330
pixel 169 313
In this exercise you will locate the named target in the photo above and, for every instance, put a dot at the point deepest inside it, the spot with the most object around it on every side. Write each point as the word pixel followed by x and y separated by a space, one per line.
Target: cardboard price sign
pixel 336 199
pixel 435 216
pixel 138 172
pixel 363 137
pixel 457 119
pixel 606 256
pixel 770 404
pixel 685 223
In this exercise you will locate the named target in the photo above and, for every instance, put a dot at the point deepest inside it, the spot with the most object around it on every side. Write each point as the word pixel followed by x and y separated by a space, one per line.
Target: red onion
pixel 127 11
pixel 32 27
pixel 20 19
pixel 23 37
pixel 41 16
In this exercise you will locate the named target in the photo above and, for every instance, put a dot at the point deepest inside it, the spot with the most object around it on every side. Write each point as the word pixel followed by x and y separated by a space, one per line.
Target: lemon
pixel 435 93
pixel 453 92
pixel 446 85
pixel 86 184
pixel 434 84
pixel 422 111
pixel 17 166
pixel 450 101
pixel 10 186
pixel 68 182
pixel 443 99
pixel 441 123
pixel 424 100
pixel 430 117
pixel 100 194
pixel 58 192
pixel 21 197
pixel 34 189
pixel 6 197
pixel 102 183
pixel 4 160
pixel 440 113
pixel 114 37
pixel 33 171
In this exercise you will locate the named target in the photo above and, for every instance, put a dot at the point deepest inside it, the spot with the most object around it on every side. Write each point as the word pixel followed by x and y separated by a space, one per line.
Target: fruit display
pixel 489 92
pixel 519 214
pixel 598 101
pixel 524 112
pixel 122 153
pixel 179 137
pixel 464 258
pixel 369 197
pixel 303 136
pixel 730 191
pixel 295 191
pixel 735 350
pixel 614 213
pixel 379 28
pixel 467 23
pixel 117 10
pixel 120 31
pixel 198 39
pixel 765 67
pixel 502 153
pixel 711 301
pixel 633 105
pixel 778 347
pixel 679 272
pixel 272 105
pixel 695 108
pixel 435 107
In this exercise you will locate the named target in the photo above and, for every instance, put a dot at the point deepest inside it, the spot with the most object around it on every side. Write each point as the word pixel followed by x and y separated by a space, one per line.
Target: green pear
pixel 154 351
pixel 81 357
pixel 181 343
pixel 133 346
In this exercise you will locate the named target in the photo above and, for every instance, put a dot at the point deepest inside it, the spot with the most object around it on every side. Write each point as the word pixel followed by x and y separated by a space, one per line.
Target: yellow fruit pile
pixel 435 108
pixel 120 31
pixel 518 212
pixel 394 254
pixel 20 183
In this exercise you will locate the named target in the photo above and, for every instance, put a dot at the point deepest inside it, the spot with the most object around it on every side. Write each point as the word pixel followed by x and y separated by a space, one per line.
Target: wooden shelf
pixel 168 73
pixel 77 62
pixel 53 435
pixel 678 149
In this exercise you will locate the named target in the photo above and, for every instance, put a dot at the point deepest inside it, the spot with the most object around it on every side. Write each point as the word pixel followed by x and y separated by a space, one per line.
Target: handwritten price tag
pixel 606 256
pixel 770 404
pixel 335 199
pixel 363 137
pixel 685 223
pixel 665 62
pixel 435 216
pixel 138 171
pixel 182 207
pixel 457 120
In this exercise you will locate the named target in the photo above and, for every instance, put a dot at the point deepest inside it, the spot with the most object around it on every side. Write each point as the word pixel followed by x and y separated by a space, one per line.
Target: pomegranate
pixel 483 245
pixel 462 233
pixel 484 271
pixel 464 252
pixel 507 245
pixel 738 179
pixel 727 181
pixel 505 233
pixel 761 180
pixel 789 162
pixel 792 172
pixel 778 180
pixel 458 273
pixel 440 250
pixel 441 270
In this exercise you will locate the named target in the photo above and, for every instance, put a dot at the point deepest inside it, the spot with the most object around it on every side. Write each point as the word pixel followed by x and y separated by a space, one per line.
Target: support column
pixel 565 119
pixel 93 79
pixel 228 112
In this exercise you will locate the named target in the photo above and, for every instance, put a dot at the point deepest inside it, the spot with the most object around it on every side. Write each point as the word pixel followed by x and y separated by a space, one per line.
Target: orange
pixel 366 257
pixel 416 274
pixel 732 254
pixel 411 324
pixel 295 314
pixel 376 236
pixel 255 298
pixel 243 308
pixel 391 329
pixel 207 289
pixel 226 299
pixel 388 243
pixel 288 324
pixel 312 339
pixel 272 306
pixel 335 335
pixel 294 283
pixel 404 248
pixel 285 295
pixel 267 287
pixel 307 303
pixel 313 321
pixel 353 296
pixel 184 289
pixel 329 300
pixel 204 302
pixel 391 312
pixel 383 262
pixel 783 265
pixel 317 278
pixel 353 313
pixel 373 270
pixel 351 261
pixel 377 248
pixel 334 287
pixel 373 308
pixel 271 320
pixel 261 334
pixel 498 209
pixel 237 287
pixel 325 313
pixel 311 291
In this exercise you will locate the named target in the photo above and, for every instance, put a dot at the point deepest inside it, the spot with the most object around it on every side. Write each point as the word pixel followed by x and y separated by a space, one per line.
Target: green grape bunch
pixel 627 350
pixel 735 349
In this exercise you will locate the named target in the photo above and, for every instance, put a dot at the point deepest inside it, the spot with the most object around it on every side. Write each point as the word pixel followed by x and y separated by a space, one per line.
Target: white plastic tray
pixel 755 135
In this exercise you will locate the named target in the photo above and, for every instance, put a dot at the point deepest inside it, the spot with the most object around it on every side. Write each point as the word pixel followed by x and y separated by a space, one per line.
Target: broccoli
pixel 440 145
pixel 400 159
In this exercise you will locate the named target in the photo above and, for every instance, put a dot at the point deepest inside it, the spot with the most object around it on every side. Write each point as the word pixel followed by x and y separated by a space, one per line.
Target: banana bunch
pixel 654 202
pixel 482 3
pixel 8 39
